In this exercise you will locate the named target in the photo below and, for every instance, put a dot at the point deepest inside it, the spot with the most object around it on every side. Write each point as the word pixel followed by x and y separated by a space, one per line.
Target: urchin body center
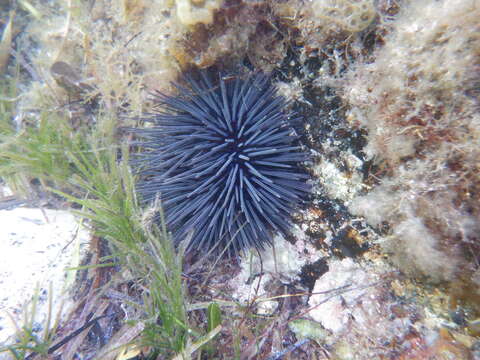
pixel 237 149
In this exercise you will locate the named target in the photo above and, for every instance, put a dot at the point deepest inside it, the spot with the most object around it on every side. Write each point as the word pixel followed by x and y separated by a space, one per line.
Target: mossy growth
pixel 419 102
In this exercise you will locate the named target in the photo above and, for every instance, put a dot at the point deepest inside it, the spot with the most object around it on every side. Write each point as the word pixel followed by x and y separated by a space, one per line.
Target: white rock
pixel 285 262
pixel 35 248
pixel 337 294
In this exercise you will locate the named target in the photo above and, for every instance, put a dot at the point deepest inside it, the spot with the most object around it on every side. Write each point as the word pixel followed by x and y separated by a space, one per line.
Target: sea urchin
pixel 223 160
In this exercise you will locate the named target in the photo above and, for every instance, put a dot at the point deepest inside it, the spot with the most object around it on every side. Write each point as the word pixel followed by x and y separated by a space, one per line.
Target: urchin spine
pixel 224 162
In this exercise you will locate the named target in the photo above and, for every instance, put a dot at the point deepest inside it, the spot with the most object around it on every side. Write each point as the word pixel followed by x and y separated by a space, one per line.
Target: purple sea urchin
pixel 224 162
